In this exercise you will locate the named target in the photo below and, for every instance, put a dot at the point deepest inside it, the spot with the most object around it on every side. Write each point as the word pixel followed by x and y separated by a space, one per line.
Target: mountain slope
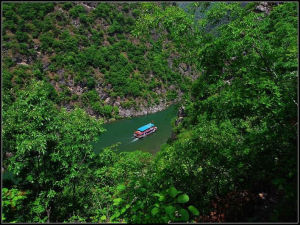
pixel 88 54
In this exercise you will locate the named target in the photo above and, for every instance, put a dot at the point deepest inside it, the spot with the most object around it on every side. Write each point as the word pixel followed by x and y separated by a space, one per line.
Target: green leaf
pixel 194 210
pixel 154 211
pixel 121 187
pixel 160 197
pixel 183 198
pixel 116 215
pixel 184 215
pixel 51 194
pixel 117 201
pixel 165 219
pixel 103 218
pixel 123 210
pixel 143 190
pixel 29 178
pixel 170 210
pixel 172 191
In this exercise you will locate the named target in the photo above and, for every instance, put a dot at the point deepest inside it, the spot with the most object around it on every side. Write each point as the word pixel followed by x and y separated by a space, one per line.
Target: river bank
pixel 141 111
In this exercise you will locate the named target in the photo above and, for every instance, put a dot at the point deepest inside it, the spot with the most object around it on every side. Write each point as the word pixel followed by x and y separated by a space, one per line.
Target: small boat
pixel 145 130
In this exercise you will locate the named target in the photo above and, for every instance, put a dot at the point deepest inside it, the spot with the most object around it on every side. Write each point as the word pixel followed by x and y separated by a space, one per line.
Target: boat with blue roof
pixel 145 130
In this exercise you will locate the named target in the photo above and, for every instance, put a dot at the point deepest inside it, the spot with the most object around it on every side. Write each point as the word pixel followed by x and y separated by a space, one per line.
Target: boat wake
pixel 134 140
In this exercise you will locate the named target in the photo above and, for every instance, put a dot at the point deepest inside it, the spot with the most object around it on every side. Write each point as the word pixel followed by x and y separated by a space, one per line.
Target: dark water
pixel 122 131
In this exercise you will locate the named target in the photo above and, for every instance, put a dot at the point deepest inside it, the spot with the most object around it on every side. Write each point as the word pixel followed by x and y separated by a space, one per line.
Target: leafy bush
pixel 22 36
pixel 12 204
pixel 67 5
pixel 171 95
pixel 76 10
pixel 91 83
pixel 166 206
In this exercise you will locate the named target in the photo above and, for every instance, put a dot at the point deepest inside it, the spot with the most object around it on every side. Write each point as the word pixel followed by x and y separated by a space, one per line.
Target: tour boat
pixel 145 130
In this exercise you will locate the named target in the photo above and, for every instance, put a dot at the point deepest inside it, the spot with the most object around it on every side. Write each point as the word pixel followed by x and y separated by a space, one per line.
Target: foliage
pixel 12 204
pixel 48 146
pixel 81 49
pixel 167 206
pixel 238 131
pixel 234 136
pixel 76 11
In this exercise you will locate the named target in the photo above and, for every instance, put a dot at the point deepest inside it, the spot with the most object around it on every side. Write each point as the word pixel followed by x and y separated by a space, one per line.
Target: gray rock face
pixel 92 4
pixel 170 63
pixel 60 72
pixel 17 59
pixel 178 120
pixel 181 111
pixel 68 107
pixel 30 59
pixel 142 111
pixel 107 100
pixel 45 66
pixel 187 70
pixel 62 81
pixel 102 94
pixel 23 63
pixel 89 6
pixel 265 7
pixel 117 103
pixel 78 90
pixel 183 67
pixel 75 22
pixel 155 36
pixel 181 114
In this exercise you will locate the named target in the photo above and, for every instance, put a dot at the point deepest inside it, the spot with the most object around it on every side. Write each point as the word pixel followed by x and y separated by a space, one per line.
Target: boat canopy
pixel 145 127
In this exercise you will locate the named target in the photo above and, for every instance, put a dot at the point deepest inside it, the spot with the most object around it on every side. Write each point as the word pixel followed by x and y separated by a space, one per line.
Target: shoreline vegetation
pixel 95 62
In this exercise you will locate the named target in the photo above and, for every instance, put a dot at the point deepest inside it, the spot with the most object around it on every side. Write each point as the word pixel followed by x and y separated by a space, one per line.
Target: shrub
pixel 22 36
pixel 135 12
pixel 67 5
pixel 83 18
pixel 76 10
pixel 46 41
pixel 91 83
pixel 107 110
pixel 171 95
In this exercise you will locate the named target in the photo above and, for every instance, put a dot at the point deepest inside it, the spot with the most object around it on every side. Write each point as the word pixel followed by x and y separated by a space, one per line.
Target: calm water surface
pixel 122 131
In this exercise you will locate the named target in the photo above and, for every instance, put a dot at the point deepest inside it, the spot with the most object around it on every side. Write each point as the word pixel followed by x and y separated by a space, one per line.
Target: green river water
pixel 122 131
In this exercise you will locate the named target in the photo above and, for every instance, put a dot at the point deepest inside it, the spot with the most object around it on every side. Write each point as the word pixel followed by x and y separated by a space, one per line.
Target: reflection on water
pixel 134 140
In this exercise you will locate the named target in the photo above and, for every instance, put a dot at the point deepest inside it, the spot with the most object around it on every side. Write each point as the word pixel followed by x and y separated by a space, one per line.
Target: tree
pixel 11 203
pixel 49 147
pixel 247 86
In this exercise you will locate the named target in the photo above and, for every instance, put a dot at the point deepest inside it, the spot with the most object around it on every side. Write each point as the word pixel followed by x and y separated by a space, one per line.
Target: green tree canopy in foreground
pixel 240 131
pixel 49 147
